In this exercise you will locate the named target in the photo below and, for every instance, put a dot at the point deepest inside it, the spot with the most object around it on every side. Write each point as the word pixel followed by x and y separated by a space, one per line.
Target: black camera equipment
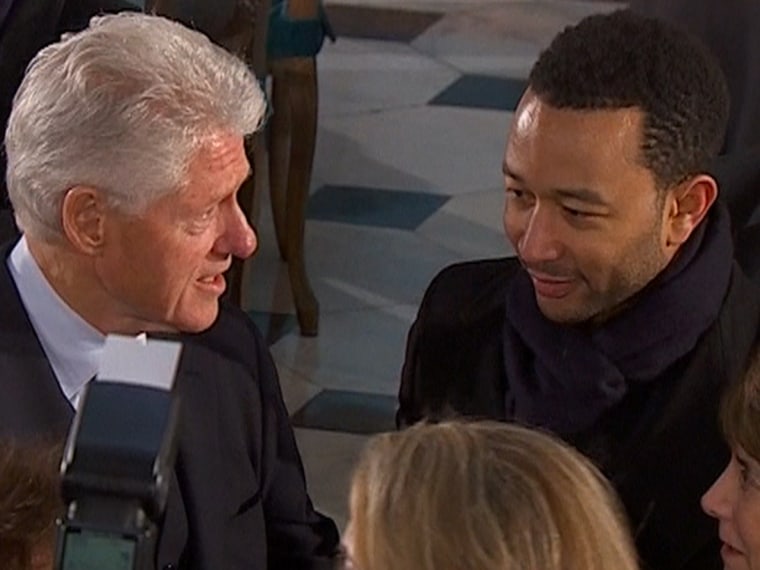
pixel 119 458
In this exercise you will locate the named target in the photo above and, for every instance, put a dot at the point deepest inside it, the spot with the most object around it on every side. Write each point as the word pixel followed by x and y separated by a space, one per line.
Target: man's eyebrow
pixel 508 172
pixel 581 194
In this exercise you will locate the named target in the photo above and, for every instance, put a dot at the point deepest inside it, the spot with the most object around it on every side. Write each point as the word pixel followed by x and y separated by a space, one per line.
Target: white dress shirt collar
pixel 72 346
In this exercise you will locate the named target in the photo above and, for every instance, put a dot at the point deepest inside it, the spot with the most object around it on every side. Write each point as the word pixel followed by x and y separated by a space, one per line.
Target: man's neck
pixel 73 277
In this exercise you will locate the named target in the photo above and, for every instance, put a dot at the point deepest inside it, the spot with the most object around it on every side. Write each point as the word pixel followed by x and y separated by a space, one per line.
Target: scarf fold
pixel 564 378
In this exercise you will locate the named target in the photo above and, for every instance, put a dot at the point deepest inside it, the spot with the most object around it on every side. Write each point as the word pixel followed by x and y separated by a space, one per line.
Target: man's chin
pixel 197 321
pixel 562 312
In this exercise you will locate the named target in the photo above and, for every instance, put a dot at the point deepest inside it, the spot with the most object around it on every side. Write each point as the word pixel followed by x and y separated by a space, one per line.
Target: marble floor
pixel 416 97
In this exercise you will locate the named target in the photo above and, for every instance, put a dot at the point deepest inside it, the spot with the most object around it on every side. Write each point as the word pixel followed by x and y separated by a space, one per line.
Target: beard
pixel 596 299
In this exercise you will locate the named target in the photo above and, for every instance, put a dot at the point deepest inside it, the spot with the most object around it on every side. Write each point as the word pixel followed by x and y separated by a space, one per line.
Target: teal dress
pixel 296 38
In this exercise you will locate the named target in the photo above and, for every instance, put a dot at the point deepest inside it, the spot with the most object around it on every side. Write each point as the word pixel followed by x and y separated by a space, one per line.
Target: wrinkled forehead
pixel 219 165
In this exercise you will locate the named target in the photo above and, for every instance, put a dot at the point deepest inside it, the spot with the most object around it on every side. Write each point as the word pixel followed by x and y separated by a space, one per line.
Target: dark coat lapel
pixel 32 404
pixel 31 400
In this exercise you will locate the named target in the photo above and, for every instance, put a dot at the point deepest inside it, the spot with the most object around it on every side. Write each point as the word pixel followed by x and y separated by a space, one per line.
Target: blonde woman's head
pixel 482 496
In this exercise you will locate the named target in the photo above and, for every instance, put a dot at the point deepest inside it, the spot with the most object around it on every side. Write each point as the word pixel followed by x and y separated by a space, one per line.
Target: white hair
pixel 122 107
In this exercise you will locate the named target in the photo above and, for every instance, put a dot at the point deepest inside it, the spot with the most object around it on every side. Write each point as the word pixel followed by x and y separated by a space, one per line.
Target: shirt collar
pixel 72 346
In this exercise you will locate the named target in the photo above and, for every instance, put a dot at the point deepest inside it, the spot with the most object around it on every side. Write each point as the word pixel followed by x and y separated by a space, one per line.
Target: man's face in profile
pixel 582 212
pixel 163 268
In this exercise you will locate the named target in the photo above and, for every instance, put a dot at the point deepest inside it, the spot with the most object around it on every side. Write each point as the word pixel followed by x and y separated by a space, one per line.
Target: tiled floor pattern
pixel 482 92
pixel 378 207
pixel 415 102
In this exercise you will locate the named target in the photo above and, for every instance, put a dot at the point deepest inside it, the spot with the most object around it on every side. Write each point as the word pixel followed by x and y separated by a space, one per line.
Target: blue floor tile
pixel 482 92
pixel 373 206
pixel 349 412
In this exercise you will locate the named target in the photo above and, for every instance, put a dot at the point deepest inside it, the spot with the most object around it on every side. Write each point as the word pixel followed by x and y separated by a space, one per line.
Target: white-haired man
pixel 125 155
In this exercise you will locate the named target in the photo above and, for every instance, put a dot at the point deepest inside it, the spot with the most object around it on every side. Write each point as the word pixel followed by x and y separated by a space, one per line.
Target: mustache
pixel 548 269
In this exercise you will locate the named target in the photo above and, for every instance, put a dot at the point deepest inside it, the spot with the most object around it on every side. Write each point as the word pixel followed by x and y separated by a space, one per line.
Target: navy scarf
pixel 563 378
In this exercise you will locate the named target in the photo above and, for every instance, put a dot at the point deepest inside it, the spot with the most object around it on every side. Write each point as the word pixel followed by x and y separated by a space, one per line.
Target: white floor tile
pixel 446 150
pixel 360 351
pixel 484 208
pixel 296 390
pixel 350 268
pixel 355 75
pixel 470 240
pixel 514 27
pixel 329 459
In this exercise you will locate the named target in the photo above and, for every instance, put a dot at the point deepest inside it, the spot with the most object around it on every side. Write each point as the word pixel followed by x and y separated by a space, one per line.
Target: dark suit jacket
pixel 241 501
pixel 660 446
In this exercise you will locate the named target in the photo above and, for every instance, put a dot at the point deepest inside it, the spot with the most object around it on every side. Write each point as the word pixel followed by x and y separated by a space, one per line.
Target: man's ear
pixel 687 205
pixel 82 217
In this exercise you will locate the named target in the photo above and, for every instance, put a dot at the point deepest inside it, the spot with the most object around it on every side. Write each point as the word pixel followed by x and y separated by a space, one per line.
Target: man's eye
pixel 515 193
pixel 576 213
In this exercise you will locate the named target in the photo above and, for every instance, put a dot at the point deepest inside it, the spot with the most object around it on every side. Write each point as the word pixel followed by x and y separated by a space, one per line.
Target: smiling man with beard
pixel 623 315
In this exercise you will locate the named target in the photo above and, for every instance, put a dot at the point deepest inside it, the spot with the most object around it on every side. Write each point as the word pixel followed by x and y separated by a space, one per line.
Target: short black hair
pixel 623 60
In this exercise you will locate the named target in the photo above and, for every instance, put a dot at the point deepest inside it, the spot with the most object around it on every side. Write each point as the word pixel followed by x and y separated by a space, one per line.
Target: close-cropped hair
pixel 30 502
pixel 740 409
pixel 483 496
pixel 626 60
pixel 123 107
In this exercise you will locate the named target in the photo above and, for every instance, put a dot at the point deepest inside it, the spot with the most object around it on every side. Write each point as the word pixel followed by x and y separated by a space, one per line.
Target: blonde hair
pixel 483 496
pixel 740 409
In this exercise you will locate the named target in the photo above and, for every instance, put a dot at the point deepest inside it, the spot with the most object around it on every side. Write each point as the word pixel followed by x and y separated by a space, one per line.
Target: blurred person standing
pixel 296 33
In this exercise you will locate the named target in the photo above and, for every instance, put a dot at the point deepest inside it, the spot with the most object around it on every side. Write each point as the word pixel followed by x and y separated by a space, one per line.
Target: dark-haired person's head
pixel 30 502
pixel 606 161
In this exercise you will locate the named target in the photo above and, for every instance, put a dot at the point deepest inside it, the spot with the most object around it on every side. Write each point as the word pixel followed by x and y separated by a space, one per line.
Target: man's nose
pixel 238 237
pixel 540 240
